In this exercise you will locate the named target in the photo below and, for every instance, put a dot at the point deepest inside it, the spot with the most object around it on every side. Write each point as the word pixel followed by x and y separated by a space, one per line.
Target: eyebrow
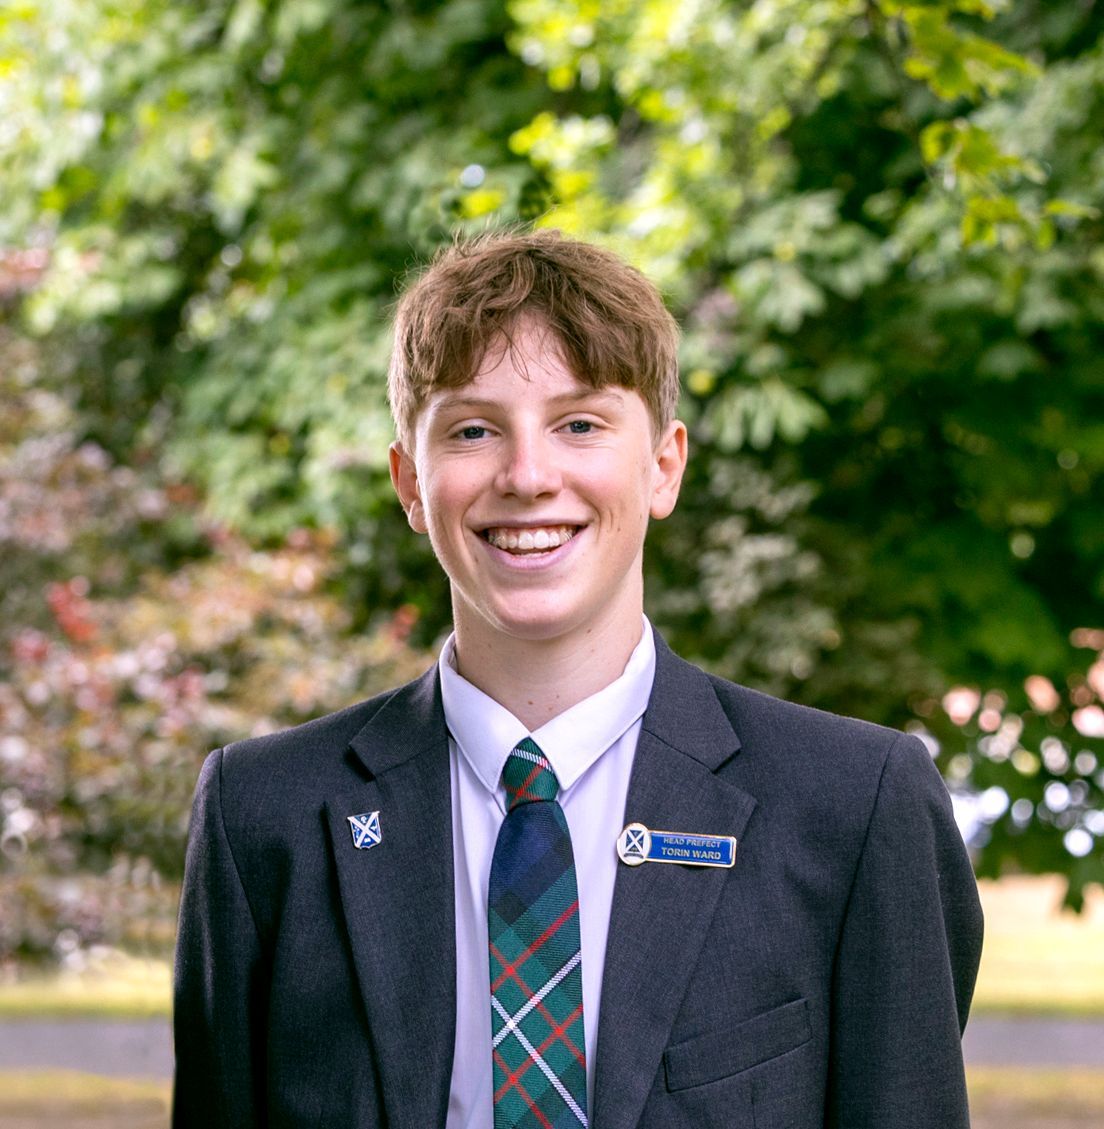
pixel 448 403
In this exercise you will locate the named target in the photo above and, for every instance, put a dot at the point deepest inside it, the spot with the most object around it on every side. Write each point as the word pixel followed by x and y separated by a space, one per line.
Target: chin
pixel 535 630
pixel 538 623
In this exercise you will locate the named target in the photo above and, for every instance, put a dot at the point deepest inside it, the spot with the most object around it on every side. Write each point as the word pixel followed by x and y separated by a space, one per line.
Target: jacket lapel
pixel 398 900
pixel 661 912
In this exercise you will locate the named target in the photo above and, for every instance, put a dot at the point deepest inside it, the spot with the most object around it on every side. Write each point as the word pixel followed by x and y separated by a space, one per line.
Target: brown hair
pixel 607 318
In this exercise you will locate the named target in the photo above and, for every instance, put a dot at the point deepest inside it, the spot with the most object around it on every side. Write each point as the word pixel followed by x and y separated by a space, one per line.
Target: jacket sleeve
pixel 218 1012
pixel 907 960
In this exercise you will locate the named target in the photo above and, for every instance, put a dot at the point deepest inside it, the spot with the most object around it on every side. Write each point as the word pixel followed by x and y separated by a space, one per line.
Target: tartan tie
pixel 539 1056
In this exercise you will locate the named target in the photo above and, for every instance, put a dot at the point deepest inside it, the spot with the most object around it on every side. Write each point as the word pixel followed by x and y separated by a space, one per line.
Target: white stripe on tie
pixel 512 1022
pixel 546 1070
pixel 533 758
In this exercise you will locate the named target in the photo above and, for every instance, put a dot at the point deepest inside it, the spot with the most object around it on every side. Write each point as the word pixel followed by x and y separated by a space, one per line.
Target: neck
pixel 537 679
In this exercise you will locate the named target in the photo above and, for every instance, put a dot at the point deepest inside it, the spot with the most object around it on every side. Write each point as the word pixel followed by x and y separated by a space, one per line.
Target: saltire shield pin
pixel 366 830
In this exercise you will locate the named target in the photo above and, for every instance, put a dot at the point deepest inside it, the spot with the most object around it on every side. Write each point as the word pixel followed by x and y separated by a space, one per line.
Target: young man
pixel 566 878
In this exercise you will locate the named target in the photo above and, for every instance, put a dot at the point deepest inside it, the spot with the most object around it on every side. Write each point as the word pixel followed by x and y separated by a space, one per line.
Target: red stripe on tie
pixel 559 1031
pixel 555 1032
pixel 513 1082
pixel 523 792
pixel 511 968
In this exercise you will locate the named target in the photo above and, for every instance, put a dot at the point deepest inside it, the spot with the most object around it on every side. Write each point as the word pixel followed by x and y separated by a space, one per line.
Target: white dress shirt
pixel 591 748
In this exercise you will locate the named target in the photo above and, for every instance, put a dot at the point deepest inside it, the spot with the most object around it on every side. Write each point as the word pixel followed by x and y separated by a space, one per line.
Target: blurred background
pixel 877 221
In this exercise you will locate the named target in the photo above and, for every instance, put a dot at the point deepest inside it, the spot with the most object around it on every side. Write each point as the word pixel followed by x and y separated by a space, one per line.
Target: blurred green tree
pixel 879 222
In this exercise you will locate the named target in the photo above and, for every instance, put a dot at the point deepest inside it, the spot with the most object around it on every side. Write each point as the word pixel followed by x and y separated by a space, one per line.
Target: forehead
pixel 526 367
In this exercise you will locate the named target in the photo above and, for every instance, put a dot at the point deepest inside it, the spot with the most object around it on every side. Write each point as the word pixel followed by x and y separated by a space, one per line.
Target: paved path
pixel 118 1048
pixel 143 1048
pixel 1006 1041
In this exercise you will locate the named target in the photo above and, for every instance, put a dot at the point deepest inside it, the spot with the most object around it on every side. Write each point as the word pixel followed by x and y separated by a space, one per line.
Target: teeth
pixel 530 540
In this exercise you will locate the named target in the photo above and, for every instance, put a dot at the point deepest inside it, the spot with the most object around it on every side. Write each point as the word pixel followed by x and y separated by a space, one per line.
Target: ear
pixel 670 462
pixel 404 477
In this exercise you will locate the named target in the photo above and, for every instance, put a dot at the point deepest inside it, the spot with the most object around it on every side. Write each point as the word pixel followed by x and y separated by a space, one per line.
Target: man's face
pixel 536 492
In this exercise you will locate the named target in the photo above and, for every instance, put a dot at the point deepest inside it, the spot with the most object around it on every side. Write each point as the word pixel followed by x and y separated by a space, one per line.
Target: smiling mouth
pixel 542 539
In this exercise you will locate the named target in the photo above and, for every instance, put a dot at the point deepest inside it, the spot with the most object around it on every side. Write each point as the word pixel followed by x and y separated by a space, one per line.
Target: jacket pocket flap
pixel 707 1058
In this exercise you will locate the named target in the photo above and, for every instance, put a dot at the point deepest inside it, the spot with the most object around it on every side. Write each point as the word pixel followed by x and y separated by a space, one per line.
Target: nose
pixel 529 468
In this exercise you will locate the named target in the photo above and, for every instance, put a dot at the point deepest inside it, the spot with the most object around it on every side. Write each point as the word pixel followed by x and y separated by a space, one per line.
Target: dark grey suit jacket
pixel 822 982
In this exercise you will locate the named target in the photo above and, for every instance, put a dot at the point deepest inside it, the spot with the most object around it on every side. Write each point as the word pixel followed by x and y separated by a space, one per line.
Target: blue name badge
pixel 638 844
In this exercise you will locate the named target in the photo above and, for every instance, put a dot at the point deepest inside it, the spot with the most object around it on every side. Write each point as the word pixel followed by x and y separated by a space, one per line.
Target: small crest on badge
pixel 633 844
pixel 366 830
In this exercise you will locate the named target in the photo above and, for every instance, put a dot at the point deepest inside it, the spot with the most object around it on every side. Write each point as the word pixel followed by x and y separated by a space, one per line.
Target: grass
pixel 113 985
pixel 1037 961
pixel 1036 1089
pixel 80 1093
pixel 1018 1098
pixel 64 1099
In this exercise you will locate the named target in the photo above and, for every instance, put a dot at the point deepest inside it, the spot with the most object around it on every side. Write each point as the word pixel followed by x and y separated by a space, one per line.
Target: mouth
pixel 531 541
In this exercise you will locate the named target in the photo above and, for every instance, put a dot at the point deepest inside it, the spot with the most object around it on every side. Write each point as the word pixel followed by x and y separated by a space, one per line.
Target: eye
pixel 474 431
pixel 580 427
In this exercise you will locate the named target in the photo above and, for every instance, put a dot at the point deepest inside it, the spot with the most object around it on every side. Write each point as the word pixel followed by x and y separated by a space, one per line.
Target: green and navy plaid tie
pixel 536 961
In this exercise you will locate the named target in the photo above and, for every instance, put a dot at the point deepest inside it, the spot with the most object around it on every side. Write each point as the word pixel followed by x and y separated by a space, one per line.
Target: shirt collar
pixel 485 731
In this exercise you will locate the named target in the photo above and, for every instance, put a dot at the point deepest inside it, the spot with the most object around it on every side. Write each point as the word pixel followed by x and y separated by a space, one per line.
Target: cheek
pixel 628 511
pixel 446 502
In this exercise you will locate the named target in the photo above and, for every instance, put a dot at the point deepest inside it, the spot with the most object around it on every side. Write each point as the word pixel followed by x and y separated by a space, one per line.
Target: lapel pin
pixel 366 830
pixel 638 844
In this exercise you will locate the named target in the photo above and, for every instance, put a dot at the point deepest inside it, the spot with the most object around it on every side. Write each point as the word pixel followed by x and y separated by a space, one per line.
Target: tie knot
pixel 528 776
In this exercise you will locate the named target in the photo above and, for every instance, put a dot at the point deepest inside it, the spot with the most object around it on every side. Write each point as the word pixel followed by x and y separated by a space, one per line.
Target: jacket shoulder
pixel 824 776
pixel 806 750
pixel 756 715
